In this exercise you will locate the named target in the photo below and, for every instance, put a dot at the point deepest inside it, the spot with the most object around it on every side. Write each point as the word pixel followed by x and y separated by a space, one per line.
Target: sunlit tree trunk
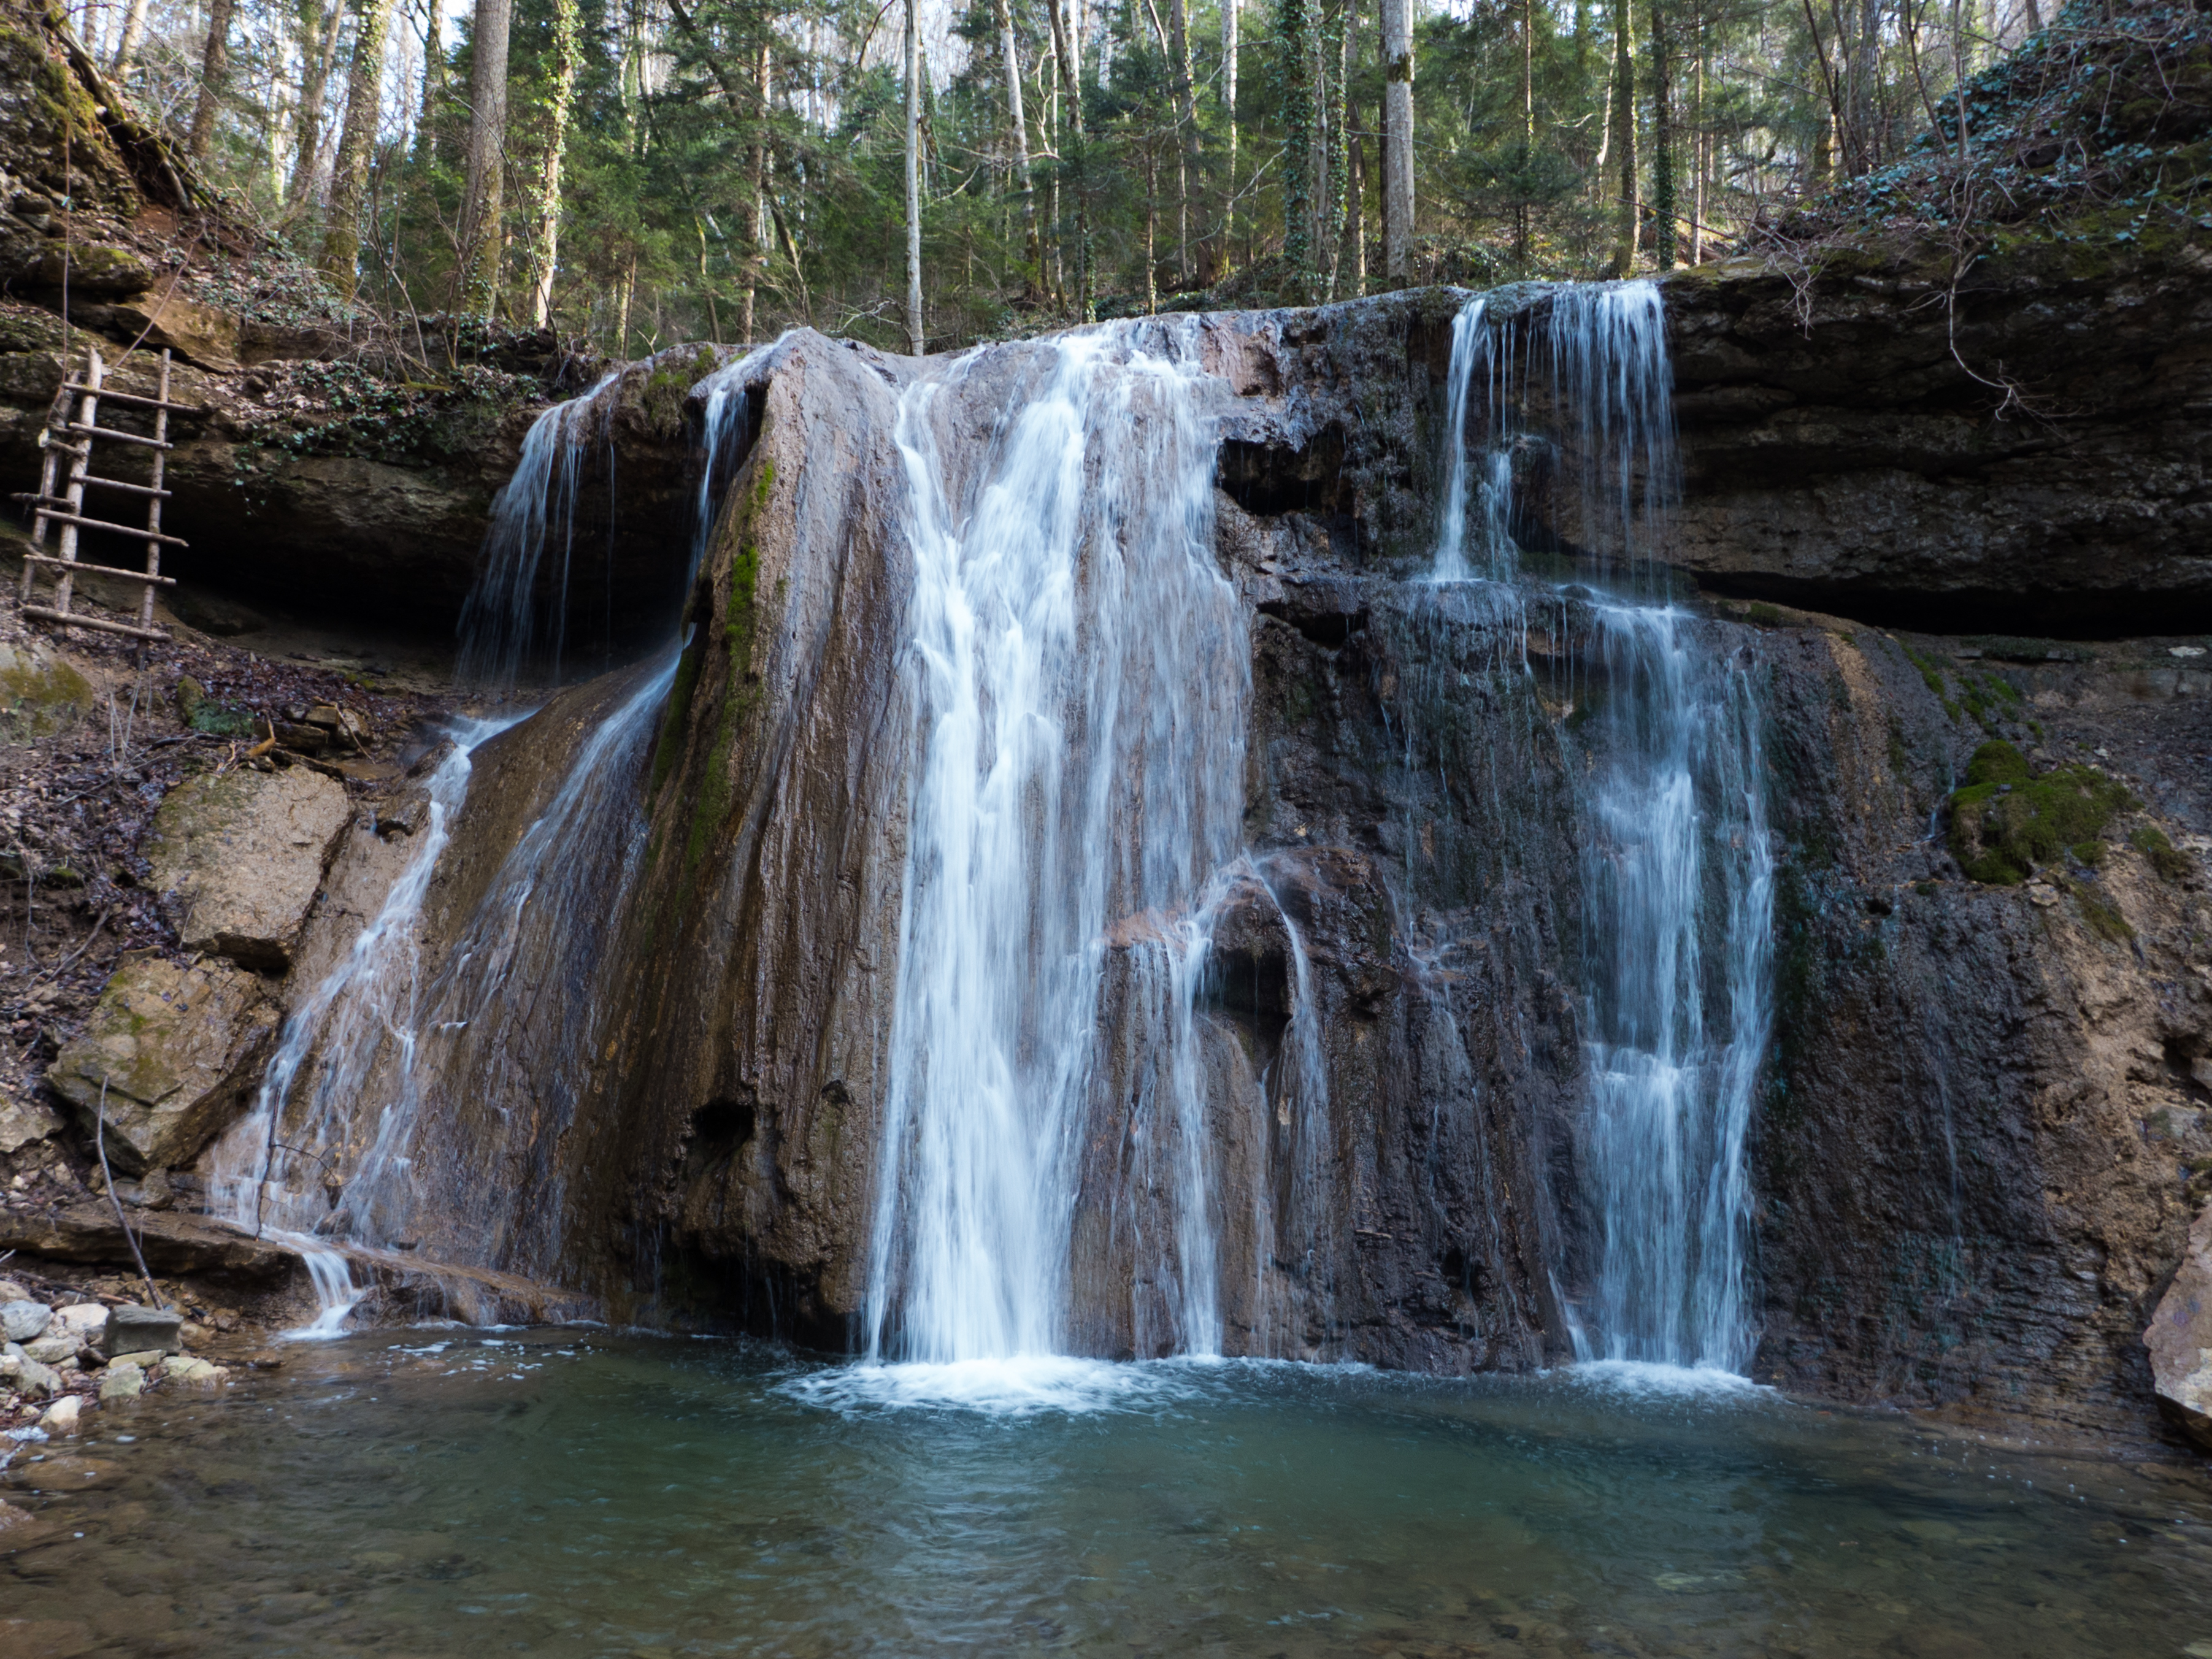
pixel 318 40
pixel 1186 102
pixel 356 144
pixel 476 275
pixel 1071 90
pixel 1623 138
pixel 914 333
pixel 1662 134
pixel 754 220
pixel 560 98
pixel 214 79
pixel 1398 139
pixel 1228 112
pixel 126 49
pixel 1018 143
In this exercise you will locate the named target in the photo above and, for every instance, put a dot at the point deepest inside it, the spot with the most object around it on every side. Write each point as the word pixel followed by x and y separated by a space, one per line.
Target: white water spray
pixel 1080 680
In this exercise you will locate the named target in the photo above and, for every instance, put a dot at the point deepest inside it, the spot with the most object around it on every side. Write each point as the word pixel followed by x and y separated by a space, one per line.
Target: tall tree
pixel 318 44
pixel 1229 115
pixel 126 49
pixel 1623 138
pixel 1181 82
pixel 214 79
pixel 753 221
pixel 475 274
pixel 560 101
pixel 1662 133
pixel 1398 139
pixel 1018 143
pixel 356 144
pixel 1295 46
pixel 1071 87
pixel 913 180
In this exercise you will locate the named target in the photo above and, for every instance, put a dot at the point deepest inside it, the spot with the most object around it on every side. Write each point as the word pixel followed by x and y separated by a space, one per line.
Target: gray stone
pixel 132 1330
pixel 26 1320
pixel 122 1382
pixel 37 1381
pixel 51 1350
pixel 243 854
pixel 2180 1340
pixel 84 1318
pixel 178 1051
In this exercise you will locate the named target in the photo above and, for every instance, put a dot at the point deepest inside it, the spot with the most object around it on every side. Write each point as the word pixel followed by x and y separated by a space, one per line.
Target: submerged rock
pixel 2180 1340
pixel 178 1051
pixel 243 853
pixel 62 1417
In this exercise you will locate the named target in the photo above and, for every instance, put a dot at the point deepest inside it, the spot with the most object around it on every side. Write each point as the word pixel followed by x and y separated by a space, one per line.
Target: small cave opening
pixel 1268 479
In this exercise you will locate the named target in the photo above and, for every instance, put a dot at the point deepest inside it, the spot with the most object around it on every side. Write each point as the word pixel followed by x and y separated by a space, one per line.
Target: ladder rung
pixel 75 565
pixel 74 621
pixel 117 483
pixel 110 433
pixel 125 396
pixel 136 534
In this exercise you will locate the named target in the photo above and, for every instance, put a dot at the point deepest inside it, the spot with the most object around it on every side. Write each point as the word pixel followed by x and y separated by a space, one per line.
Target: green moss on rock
pixel 2005 820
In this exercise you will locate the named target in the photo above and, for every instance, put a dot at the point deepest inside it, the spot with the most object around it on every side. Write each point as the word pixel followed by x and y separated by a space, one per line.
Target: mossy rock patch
pixel 2005 820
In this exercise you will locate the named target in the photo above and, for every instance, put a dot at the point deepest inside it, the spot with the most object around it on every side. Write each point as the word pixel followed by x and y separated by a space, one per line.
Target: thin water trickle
pixel 271 1169
pixel 506 624
pixel 1079 680
pixel 1676 866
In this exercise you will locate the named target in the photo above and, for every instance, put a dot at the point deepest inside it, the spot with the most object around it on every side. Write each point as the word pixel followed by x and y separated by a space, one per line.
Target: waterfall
pixel 1079 674
pixel 267 1184
pixel 1676 863
pixel 505 624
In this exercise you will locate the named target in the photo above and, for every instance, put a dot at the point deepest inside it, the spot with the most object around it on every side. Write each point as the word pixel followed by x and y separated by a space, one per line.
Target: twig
pixel 57 970
pixel 99 1145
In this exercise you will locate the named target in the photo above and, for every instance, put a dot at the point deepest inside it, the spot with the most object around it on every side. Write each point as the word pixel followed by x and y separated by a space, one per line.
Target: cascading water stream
pixel 504 617
pixel 1079 682
pixel 1677 868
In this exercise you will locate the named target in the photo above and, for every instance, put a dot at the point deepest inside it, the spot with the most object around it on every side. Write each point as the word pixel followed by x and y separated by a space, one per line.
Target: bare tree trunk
pixel 1703 160
pixel 134 30
pixel 1662 133
pixel 319 42
pixel 214 79
pixel 476 279
pixel 350 172
pixel 914 335
pixel 434 78
pixel 1071 87
pixel 1352 263
pixel 1229 109
pixel 1017 139
pixel 1186 102
pixel 1398 139
pixel 754 220
pixel 1624 137
pixel 567 50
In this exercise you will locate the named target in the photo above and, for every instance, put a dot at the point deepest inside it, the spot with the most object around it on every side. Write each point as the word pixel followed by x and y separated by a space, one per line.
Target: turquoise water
pixel 568 1493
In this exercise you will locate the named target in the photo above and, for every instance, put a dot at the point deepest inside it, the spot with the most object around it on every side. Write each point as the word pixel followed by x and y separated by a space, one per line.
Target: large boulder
pixel 2180 1340
pixel 243 853
pixel 177 1049
pixel 40 692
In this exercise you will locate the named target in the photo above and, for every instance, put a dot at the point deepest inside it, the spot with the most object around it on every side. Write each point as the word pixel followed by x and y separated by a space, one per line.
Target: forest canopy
pixel 634 173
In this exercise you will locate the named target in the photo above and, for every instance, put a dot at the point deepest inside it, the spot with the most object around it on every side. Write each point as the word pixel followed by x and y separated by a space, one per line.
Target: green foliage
pixel 2162 855
pixel 2005 821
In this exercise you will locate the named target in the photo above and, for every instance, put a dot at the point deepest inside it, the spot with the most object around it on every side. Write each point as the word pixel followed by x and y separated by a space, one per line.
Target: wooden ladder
pixel 69 431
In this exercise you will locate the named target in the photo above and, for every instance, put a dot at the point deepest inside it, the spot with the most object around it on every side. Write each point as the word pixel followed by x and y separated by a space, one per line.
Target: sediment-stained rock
pixel 242 855
pixel 170 1056
pixel 2180 1339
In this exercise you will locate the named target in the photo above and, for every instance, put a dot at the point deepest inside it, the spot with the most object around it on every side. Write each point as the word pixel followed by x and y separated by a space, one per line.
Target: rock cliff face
pixel 1980 1136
